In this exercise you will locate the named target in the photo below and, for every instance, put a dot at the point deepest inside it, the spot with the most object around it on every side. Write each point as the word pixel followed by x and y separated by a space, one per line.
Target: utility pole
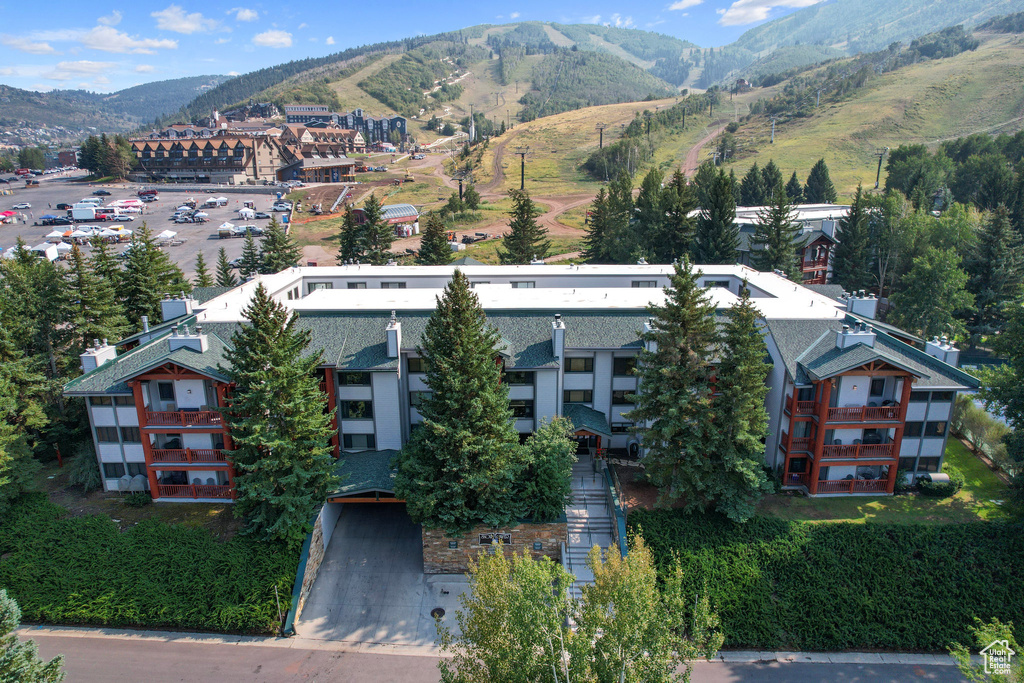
pixel 522 152
pixel 684 116
pixel 817 100
pixel 648 115
pixel 600 129
pixel 880 154
pixel 773 131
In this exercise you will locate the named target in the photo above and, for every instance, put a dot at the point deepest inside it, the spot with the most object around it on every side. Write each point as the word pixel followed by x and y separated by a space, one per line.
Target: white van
pixel 95 201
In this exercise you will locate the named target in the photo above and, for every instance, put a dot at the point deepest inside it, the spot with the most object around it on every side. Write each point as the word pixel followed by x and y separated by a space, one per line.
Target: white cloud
pixel 330 40
pixel 101 80
pixel 620 21
pixel 144 68
pixel 314 40
pixel 108 39
pixel 174 18
pixel 596 19
pixel 65 71
pixel 221 41
pixel 652 24
pixel 744 12
pixel 26 45
pixel 244 14
pixel 273 39
pixel 303 25
pixel 684 4
pixel 513 15
pixel 113 20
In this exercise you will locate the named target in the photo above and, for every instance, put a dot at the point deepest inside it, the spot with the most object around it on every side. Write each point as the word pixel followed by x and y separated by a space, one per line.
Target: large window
pixel 877 387
pixel 928 464
pixel 416 398
pixel 165 390
pixel 416 365
pixel 313 286
pixel 357 285
pixel 624 367
pixel 621 427
pixel 620 398
pixel 356 410
pixel 918 396
pixel 358 441
pixel 935 429
pixel 942 396
pixel 113 470
pixel 392 285
pixel 354 379
pixel 579 364
pixel 131 435
pixel 124 400
pixel 518 377
pixel 907 464
pixel 100 401
pixel 645 283
pixel 523 285
pixel 136 468
pixel 106 434
pixel 577 396
pixel 521 407
pixel 913 429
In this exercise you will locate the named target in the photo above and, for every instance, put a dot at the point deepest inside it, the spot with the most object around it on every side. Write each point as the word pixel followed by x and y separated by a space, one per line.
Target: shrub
pixel 943 489
pixel 83 470
pixel 903 484
pixel 732 127
pixel 786 585
pixel 138 499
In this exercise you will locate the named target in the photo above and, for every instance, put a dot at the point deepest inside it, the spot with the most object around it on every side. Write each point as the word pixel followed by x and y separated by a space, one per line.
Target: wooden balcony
pixel 193 491
pixel 864 414
pixel 816 264
pixel 860 451
pixel 794 479
pixel 802 407
pixel 183 418
pixel 853 486
pixel 800 443
pixel 203 456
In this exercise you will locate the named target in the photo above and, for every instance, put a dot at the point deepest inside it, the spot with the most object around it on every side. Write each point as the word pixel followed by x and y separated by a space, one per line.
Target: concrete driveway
pixel 371 587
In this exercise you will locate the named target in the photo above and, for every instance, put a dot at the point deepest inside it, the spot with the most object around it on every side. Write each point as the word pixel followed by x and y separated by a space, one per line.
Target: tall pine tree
pixel 462 466
pixel 777 237
pixel 794 190
pixel 98 314
pixel 434 247
pixel 772 177
pixel 677 229
pixel 852 261
pixel 717 238
pixel 673 404
pixel 819 188
pixel 349 238
pixel 104 263
pixel 598 229
pixel 995 268
pixel 278 251
pixel 525 239
pixel 225 274
pixel 202 277
pixel 704 182
pixel 649 216
pixel 279 423
pixel 752 189
pixel 19 660
pixel 139 286
pixel 251 262
pixel 377 234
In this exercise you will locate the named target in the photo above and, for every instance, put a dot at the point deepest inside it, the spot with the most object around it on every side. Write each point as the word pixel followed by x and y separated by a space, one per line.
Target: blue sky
pixel 47 44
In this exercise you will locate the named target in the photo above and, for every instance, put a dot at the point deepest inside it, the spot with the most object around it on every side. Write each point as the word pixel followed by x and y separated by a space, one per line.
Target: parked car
pixel 63 207
pixel 22 205
pixel 281 207
pixel 149 198
pixel 262 214
pixel 123 219
pixel 101 193
pixel 234 263
pixel 417 157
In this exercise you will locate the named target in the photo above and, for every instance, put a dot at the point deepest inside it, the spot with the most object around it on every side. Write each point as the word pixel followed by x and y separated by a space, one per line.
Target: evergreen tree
pixel 819 188
pixel 434 247
pixel 551 452
pixel 673 406
pixel 677 229
pixel 202 278
pixel 98 313
pixel 649 216
pixel 995 268
pixel 777 237
pixel 471 198
pixel 1003 389
pixel 139 287
pixel 752 189
pixel 225 274
pixel 251 262
pixel 104 263
pixel 703 183
pixel 278 251
pixel 22 417
pixel 279 423
pixel 349 238
pixel 933 291
pixel 717 238
pixel 377 234
pixel 772 177
pixel 741 420
pixel 621 241
pixel 851 265
pixel 598 229
pixel 20 661
pixel 463 466
pixel 794 190
pixel 525 240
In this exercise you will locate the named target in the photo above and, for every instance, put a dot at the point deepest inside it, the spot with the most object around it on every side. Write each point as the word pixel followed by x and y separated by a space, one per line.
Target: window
pixel 622 367
pixel 416 398
pixel 907 464
pixel 106 434
pixel 621 427
pixel 392 285
pixel 577 396
pixel 877 387
pixel 928 464
pixel 798 465
pixel 124 400
pixel 113 470
pixel 482 282
pixel 135 468
pixel 357 285
pixel 356 410
pixel 523 285
pixel 354 379
pixel 579 364
pixel 131 435
pixel 645 283
pixel 913 429
pixel 619 398
pixel 918 396
pixel 359 441
pixel 416 365
pixel 521 407
pixel 935 429
pixel 516 377
pixel 100 401
pixel 805 394
pixel 313 286
pixel 716 283
pixel 165 390
pixel 942 396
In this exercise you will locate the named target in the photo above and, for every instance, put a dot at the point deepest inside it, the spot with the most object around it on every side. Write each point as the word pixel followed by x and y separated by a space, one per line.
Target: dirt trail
pixel 497 172
pixel 692 160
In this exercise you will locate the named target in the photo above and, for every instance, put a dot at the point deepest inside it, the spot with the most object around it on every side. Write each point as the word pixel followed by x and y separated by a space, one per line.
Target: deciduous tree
pixel 933 290
pixel 547 486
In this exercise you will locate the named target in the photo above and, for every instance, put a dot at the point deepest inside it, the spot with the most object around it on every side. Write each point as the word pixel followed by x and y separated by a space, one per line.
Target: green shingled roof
pixel 824 359
pixel 365 471
pixel 204 294
pixel 584 417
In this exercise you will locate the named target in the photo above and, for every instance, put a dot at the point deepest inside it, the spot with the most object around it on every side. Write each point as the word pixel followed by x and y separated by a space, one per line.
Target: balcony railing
pixel 189 455
pixel 794 479
pixel 864 414
pixel 800 443
pixel 860 451
pixel 853 486
pixel 816 264
pixel 183 418
pixel 803 407
pixel 193 491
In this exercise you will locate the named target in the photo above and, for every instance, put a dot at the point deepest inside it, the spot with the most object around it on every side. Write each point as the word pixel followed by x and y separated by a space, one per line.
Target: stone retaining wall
pixel 439 557
pixel 313 562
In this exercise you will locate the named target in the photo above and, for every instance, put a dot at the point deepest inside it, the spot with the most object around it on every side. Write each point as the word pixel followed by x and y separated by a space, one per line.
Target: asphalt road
pixel 116 660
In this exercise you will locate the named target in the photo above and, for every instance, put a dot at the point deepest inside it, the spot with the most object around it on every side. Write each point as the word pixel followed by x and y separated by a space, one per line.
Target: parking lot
pixel 191 238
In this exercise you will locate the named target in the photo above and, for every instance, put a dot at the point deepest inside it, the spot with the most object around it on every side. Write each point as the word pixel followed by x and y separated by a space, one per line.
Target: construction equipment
pixel 450 235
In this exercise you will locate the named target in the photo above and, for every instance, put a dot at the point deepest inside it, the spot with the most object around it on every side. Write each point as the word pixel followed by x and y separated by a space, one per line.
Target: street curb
pixel 359 647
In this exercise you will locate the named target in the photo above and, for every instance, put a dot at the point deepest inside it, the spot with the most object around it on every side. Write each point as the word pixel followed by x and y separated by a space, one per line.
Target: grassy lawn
pixel 487 252
pixel 976 501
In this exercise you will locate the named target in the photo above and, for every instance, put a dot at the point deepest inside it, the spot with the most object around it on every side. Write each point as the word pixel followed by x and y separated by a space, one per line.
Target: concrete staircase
pixel 589 521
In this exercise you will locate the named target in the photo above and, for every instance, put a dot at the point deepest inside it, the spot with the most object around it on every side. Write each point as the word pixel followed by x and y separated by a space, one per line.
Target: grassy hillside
pixel 928 102
pixel 790 57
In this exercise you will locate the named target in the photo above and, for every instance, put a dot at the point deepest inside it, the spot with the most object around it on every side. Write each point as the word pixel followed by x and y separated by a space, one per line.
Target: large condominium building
pixel 849 403
pixel 373 128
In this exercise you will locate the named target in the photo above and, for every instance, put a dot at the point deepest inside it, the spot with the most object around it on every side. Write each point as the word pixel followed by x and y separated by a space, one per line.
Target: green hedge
pixel 784 585
pixel 84 570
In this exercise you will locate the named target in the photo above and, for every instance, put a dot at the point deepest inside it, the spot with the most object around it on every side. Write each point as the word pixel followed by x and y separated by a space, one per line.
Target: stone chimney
pixel 394 336
pixel 851 336
pixel 866 306
pixel 943 350
pixel 558 337
pixel 97 355
pixel 182 338
pixel 178 307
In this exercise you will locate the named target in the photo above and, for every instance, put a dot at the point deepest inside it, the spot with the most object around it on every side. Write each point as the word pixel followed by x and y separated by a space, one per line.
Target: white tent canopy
pixel 226 225
pixel 64 247
pixel 201 214
pixel 56 234
pixel 79 232
pixel 107 232
pixel 166 235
